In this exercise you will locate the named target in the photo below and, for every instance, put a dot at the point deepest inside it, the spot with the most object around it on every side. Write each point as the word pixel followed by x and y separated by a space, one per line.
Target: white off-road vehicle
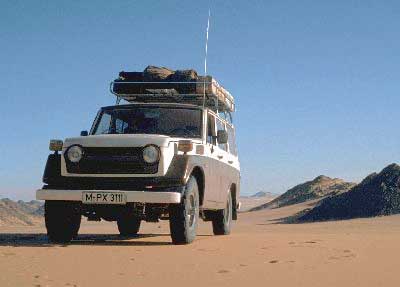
pixel 162 155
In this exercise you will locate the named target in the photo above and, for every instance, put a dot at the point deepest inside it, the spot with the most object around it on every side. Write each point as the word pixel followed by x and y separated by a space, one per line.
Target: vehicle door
pixel 211 195
pixel 233 159
pixel 223 172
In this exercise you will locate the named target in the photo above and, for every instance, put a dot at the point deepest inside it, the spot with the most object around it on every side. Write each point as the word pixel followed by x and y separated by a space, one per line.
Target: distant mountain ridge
pixel 263 194
pixel 259 198
pixel 20 212
pixel 319 187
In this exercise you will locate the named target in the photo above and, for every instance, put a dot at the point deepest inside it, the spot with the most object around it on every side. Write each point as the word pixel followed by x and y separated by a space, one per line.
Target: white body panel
pixel 119 140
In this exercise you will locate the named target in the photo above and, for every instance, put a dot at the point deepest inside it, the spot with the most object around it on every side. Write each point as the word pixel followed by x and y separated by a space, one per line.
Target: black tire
pixel 222 219
pixel 128 224
pixel 76 226
pixel 63 220
pixel 184 217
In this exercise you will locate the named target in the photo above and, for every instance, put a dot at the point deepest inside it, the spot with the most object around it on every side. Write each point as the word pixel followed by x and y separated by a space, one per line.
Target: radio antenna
pixel 205 58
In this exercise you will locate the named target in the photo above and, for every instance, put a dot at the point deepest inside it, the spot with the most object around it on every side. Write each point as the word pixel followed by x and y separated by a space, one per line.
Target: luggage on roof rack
pixel 164 85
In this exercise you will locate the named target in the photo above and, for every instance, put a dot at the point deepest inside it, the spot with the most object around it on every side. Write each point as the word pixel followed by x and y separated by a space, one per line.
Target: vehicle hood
pixel 118 140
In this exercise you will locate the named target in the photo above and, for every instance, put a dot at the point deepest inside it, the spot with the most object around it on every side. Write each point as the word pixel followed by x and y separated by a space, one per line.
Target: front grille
pixel 113 160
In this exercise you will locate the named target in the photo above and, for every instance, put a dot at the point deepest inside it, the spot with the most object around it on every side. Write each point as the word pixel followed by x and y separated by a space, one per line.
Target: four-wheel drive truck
pixel 156 157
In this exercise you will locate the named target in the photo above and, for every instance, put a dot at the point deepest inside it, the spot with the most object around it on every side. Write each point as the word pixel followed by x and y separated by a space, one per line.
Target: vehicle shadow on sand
pixel 41 240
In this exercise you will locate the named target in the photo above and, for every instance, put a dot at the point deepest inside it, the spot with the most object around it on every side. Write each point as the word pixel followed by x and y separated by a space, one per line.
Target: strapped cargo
pixel 164 85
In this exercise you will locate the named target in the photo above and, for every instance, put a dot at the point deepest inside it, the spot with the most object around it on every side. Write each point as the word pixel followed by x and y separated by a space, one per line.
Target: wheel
pixel 63 220
pixel 128 224
pixel 184 217
pixel 222 219
pixel 76 226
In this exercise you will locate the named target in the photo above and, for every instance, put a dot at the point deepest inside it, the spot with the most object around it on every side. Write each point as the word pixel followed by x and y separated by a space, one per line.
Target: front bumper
pixel 131 196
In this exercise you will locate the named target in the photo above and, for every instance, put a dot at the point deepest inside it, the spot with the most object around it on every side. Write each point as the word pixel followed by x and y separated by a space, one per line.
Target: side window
pixel 211 130
pixel 104 124
pixel 221 126
pixel 225 115
pixel 222 115
pixel 231 140
pixel 229 117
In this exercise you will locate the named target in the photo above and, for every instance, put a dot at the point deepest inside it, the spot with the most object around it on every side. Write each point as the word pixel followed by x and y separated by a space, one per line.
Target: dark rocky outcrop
pixel 377 194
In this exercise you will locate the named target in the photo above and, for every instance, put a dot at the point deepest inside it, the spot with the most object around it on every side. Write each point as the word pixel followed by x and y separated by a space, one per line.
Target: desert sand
pixel 248 203
pixel 259 252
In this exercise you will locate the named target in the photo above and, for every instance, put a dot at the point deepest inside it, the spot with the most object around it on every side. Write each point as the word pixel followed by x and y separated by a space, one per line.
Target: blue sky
pixel 316 82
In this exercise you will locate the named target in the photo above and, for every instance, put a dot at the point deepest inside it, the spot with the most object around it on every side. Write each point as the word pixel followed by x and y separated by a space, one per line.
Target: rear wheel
pixel 63 220
pixel 222 219
pixel 184 217
pixel 128 224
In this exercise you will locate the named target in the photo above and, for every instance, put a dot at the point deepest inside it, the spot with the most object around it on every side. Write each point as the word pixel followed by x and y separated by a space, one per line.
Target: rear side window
pixel 221 127
pixel 227 116
pixel 231 140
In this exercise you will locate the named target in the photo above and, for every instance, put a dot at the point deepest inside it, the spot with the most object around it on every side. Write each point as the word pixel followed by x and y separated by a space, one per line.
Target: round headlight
pixel 151 154
pixel 75 153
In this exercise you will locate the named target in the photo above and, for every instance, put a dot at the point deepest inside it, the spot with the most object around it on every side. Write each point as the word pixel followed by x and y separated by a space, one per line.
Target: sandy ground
pixel 260 252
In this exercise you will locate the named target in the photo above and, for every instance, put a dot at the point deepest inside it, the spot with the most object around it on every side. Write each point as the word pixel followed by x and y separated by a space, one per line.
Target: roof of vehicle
pixel 166 105
pixel 204 91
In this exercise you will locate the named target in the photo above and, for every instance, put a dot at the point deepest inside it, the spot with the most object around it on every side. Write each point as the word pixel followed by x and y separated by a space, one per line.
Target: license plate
pixel 103 198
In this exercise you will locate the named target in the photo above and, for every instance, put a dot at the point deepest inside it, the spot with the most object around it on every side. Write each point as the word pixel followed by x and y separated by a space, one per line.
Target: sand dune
pixel 260 252
pixel 317 188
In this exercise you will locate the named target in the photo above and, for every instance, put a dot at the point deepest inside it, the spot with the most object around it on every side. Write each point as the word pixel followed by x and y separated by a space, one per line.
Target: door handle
pixel 220 156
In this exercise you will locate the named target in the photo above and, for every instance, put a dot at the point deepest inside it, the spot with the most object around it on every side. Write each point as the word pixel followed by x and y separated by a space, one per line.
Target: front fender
pixel 52 171
pixel 181 168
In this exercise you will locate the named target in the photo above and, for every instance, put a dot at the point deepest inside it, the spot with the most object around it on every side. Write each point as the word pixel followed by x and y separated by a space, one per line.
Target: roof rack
pixel 216 97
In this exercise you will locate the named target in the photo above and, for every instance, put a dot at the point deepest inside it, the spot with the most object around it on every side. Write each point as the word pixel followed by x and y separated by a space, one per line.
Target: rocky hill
pixel 377 194
pixel 319 187
pixel 20 212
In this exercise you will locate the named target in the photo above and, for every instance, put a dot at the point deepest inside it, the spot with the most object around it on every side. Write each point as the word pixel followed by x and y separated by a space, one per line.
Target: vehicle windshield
pixel 177 122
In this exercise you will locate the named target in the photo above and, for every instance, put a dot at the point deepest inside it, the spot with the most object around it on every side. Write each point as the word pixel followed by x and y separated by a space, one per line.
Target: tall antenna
pixel 205 58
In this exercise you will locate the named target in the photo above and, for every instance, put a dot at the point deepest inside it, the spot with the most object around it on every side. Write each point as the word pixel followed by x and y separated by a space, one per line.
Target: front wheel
pixel 222 219
pixel 128 224
pixel 184 217
pixel 62 219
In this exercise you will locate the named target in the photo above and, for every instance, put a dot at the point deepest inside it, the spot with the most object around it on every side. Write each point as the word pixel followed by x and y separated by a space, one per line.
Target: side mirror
pixel 84 133
pixel 222 137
